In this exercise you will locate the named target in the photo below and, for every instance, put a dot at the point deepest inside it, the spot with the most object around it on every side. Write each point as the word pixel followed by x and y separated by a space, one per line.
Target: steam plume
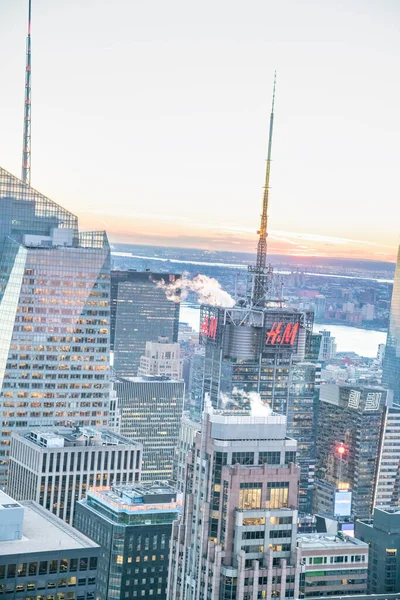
pixel 208 290
pixel 258 408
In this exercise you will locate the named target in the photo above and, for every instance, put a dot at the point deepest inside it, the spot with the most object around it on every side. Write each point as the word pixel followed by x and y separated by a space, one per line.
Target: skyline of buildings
pixel 89 346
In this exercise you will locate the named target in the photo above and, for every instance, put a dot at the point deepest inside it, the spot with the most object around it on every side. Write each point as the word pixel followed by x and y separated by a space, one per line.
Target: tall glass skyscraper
pixel 391 362
pixel 54 316
pixel 140 313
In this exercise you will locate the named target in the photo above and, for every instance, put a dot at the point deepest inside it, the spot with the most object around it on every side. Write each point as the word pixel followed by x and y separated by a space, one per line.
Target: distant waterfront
pixel 349 339
pixel 239 266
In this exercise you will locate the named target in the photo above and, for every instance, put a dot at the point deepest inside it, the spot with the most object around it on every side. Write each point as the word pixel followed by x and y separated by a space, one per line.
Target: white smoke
pixel 208 290
pixel 258 408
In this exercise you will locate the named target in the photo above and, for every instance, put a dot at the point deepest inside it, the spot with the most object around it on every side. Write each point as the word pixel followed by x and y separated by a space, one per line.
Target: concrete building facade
pixel 237 535
pixel 334 565
pixel 161 358
pixel 57 467
pixel 151 409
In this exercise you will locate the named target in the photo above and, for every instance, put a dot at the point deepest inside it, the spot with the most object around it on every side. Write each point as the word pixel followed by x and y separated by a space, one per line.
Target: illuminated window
pixel 277 494
pixel 250 496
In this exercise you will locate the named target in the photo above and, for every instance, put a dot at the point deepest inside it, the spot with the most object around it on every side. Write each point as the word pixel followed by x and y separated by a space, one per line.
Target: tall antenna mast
pixel 261 273
pixel 26 149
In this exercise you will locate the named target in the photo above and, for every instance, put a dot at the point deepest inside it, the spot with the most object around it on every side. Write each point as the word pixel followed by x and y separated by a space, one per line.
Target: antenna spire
pixel 26 148
pixel 262 274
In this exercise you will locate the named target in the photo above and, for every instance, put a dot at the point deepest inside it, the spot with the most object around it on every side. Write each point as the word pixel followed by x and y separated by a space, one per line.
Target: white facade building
pixel 161 359
pixel 56 467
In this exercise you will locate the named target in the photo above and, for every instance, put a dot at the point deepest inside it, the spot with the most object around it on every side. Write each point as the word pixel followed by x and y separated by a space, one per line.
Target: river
pixel 348 339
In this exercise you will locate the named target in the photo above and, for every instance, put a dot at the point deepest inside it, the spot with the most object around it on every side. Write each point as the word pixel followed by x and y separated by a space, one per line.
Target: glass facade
pixel 134 553
pixel 352 416
pixel 252 351
pixel 391 362
pixel 302 424
pixel 140 313
pixel 54 316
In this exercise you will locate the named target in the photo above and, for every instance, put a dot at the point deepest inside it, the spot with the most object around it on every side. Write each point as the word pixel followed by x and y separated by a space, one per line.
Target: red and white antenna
pixel 26 149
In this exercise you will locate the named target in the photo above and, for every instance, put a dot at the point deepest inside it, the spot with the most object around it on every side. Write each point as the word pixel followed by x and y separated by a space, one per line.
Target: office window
pixel 250 495
pixel 277 494
pixel 243 458
pixel 269 458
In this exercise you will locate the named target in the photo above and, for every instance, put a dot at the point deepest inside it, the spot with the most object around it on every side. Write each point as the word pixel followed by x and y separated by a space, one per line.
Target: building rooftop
pixel 41 532
pixel 316 541
pixel 69 437
pixel 149 497
pixel 150 379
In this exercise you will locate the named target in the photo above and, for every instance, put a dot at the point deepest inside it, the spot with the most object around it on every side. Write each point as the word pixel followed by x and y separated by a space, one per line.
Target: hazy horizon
pixel 150 120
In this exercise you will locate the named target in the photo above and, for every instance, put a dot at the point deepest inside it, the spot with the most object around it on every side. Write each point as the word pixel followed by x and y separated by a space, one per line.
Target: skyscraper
pixel 302 425
pixel 391 361
pixel 133 525
pixel 328 346
pixel 140 312
pixel 382 534
pixel 251 349
pixel 54 316
pixel 151 409
pixel 349 433
pixel 237 535
pixel 387 489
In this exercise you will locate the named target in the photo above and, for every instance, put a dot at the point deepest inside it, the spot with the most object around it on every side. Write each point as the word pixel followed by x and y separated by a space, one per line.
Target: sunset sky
pixel 150 119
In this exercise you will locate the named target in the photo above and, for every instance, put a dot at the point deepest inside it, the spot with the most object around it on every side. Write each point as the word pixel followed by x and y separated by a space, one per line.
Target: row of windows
pixel 118 459
pixel 42 584
pixel 319 560
pixel 269 458
pixel 44 567
pixel 273 534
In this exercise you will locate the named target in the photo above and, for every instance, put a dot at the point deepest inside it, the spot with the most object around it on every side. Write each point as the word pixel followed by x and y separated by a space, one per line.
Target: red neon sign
pixel 208 328
pixel 278 335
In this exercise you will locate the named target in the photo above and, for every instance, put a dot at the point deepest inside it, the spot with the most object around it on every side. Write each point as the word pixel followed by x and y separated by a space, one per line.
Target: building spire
pixel 26 149
pixel 261 274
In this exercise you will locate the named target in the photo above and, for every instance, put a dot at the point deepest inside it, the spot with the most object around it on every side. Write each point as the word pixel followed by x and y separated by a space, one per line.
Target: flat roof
pixel 137 498
pixel 71 437
pixel 315 541
pixel 150 379
pixel 44 532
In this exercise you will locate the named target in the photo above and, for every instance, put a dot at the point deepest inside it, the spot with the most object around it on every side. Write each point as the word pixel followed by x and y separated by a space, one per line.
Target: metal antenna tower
pixel 261 273
pixel 26 149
